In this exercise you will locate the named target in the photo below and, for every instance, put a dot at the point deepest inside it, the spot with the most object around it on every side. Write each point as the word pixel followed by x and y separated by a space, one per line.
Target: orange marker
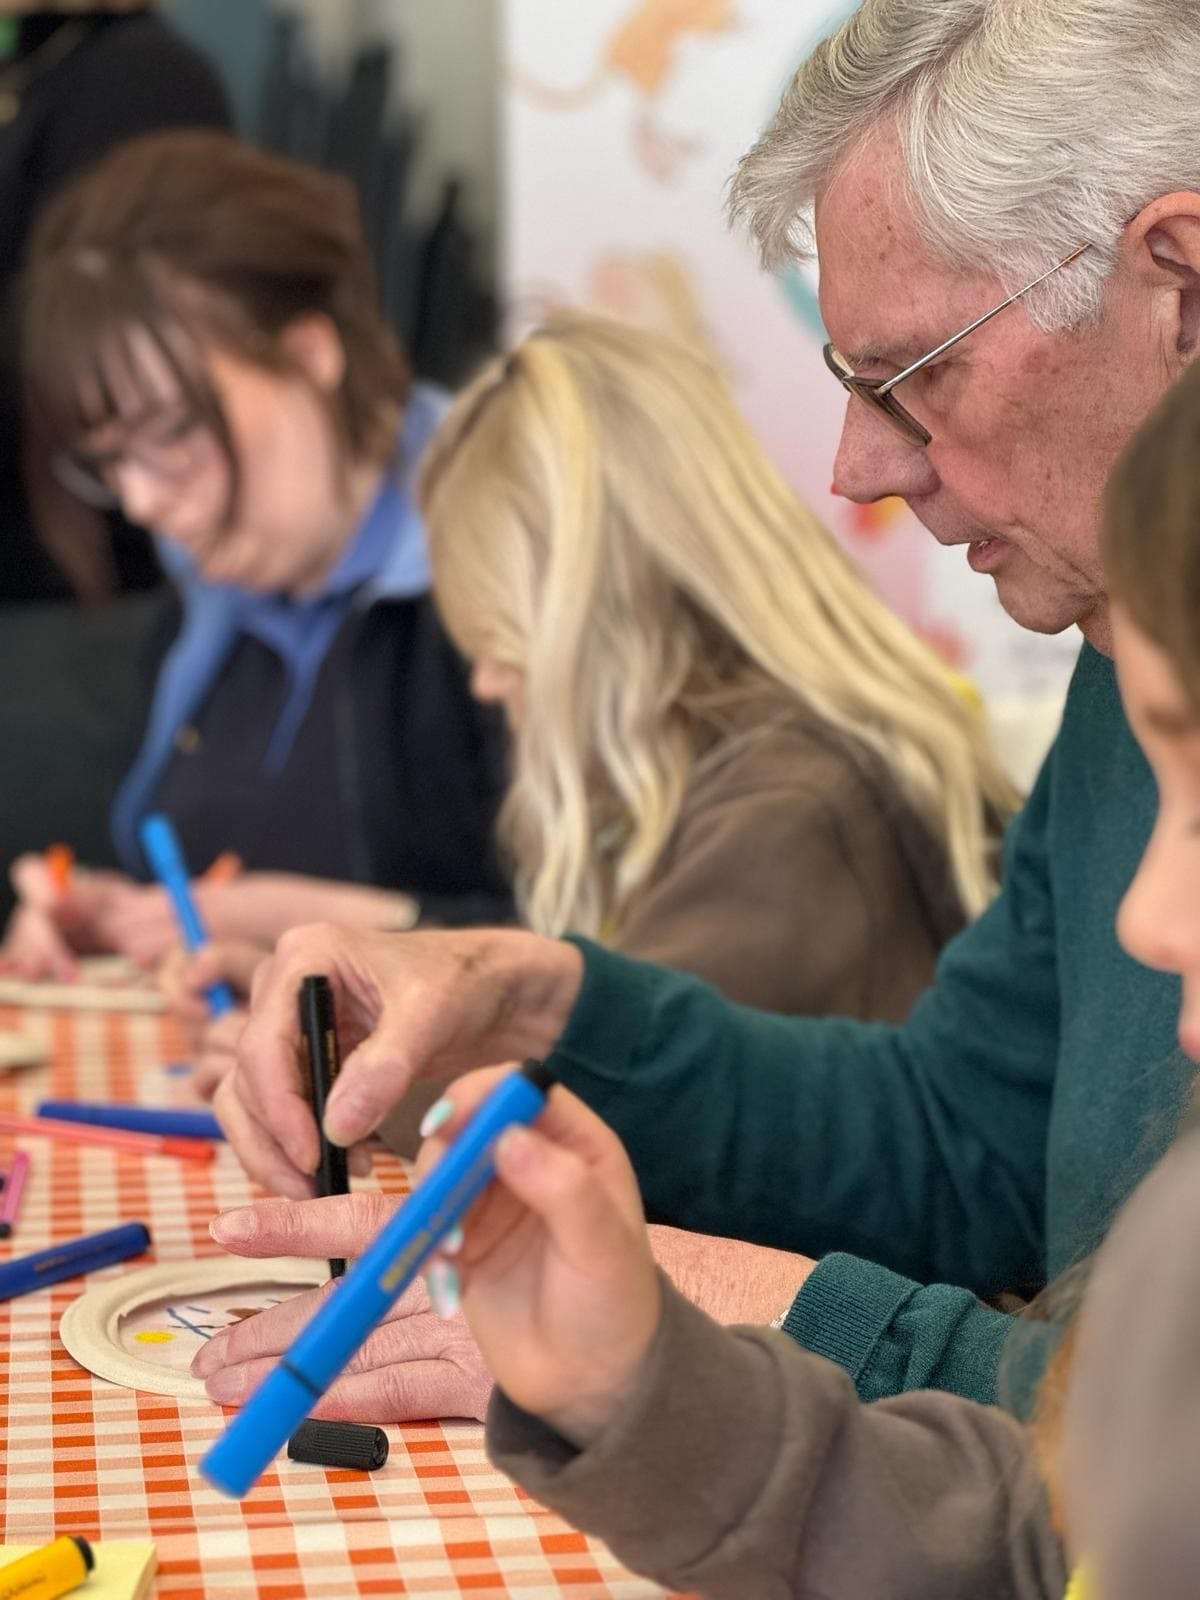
pixel 223 870
pixel 146 1144
pixel 60 859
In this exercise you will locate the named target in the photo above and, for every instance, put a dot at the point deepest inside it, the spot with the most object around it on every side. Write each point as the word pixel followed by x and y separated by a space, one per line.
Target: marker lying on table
pixel 71 1260
pixel 47 1573
pixel 146 1144
pixel 171 1124
pixel 318 1026
pixel 361 1299
pixel 14 1187
pixel 163 852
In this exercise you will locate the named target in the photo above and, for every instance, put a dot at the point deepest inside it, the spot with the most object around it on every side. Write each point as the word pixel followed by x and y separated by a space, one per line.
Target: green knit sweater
pixel 981 1147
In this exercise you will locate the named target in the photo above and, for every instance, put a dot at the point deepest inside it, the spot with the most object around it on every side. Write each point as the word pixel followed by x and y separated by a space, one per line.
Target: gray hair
pixel 1026 128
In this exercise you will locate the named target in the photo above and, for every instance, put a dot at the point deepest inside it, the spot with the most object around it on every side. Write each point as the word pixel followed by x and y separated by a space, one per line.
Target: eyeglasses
pixel 171 451
pixel 878 392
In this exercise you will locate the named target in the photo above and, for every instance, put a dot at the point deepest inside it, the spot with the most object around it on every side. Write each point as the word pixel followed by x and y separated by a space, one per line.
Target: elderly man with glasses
pixel 935 157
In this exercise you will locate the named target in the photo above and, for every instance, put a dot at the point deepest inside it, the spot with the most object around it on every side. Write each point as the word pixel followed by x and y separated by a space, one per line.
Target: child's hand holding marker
pixel 558 1282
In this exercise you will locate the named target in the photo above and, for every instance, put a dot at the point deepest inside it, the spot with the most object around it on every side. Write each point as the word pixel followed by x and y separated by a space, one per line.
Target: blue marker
pixel 163 852
pixel 138 1119
pixel 69 1260
pixel 361 1299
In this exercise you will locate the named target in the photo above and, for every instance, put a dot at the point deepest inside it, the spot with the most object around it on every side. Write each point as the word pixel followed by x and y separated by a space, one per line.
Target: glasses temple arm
pixel 886 388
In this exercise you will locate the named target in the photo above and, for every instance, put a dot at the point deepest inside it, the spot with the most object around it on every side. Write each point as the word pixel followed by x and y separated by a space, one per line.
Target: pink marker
pixel 10 1198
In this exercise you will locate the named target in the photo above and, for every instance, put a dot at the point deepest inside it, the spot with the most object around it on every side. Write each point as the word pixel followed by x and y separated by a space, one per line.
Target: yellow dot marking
pixel 154 1336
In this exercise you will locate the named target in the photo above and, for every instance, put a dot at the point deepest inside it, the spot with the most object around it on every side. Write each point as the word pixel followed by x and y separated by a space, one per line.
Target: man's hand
pixel 408 1005
pixel 414 1365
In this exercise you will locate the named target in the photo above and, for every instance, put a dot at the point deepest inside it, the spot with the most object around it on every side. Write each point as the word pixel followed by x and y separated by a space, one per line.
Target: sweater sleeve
pixel 742 1467
pixel 826 917
pixel 918 1150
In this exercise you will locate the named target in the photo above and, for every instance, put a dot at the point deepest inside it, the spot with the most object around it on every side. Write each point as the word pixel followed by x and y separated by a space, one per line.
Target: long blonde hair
pixel 601 518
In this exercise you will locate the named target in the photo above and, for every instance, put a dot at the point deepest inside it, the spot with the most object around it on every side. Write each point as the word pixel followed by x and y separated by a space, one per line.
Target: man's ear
pixel 315 345
pixel 1163 246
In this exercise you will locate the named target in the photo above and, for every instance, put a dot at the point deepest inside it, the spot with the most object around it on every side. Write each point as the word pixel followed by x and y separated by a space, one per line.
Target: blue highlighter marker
pixel 363 1297
pixel 165 855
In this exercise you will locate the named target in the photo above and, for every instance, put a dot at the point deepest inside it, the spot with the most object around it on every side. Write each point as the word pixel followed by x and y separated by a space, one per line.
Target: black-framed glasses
pixel 878 393
pixel 170 451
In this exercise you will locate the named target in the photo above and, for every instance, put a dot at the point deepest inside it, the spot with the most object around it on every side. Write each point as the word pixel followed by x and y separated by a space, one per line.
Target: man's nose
pixel 874 460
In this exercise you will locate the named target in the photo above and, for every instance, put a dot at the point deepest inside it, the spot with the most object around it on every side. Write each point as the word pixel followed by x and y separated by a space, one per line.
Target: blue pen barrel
pixel 363 1297
pixel 220 999
pixel 70 1260
pixel 137 1119
pixel 165 855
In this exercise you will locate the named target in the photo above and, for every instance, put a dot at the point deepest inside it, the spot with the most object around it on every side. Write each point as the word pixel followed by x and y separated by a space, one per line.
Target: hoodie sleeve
pixel 744 1468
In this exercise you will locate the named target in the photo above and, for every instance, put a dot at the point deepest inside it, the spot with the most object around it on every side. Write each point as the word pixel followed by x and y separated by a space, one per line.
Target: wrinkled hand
pixel 559 1285
pixel 415 1365
pixel 408 1005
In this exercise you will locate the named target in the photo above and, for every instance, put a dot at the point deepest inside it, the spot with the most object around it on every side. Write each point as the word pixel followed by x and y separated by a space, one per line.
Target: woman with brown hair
pixel 203 341
pixel 77 79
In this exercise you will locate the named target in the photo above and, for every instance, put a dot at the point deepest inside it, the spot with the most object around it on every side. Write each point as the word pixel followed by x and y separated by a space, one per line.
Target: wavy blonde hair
pixel 601 518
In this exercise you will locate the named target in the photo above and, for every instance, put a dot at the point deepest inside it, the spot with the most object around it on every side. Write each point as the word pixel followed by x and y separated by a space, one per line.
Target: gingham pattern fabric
pixel 84 1456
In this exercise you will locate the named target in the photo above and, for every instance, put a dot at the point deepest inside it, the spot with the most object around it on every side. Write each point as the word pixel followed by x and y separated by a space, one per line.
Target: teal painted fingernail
pixel 436 1117
pixel 453 1242
pixel 442 1283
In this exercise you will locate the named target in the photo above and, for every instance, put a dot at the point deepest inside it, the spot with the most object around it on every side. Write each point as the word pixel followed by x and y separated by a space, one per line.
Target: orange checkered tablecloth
pixel 85 1456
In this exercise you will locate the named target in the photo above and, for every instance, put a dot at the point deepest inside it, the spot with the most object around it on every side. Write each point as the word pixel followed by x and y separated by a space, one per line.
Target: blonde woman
pixel 730 757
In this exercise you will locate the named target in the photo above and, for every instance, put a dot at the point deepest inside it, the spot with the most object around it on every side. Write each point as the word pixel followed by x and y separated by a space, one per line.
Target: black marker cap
pixel 538 1074
pixel 339 1444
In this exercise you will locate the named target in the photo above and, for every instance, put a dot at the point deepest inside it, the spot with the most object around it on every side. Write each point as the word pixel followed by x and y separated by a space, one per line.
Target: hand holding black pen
pixel 410 1005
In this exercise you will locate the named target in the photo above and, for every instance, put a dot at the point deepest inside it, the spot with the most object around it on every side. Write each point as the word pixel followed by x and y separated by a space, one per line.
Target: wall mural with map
pixel 623 122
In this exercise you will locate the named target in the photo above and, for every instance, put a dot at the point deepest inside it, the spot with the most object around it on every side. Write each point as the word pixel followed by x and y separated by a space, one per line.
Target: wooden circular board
pixel 142 1329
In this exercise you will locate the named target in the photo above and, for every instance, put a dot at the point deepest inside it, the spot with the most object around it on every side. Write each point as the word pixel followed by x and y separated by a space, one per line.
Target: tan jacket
pixel 798 880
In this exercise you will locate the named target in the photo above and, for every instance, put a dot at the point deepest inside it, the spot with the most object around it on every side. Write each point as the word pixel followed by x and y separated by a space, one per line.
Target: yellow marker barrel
pixel 49 1572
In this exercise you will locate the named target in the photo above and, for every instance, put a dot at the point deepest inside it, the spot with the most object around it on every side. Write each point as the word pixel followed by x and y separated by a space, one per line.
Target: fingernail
pixel 344 1121
pixel 442 1283
pixel 436 1117
pixel 514 1147
pixel 453 1242
pixel 234 1227
pixel 207 1359
pixel 224 1387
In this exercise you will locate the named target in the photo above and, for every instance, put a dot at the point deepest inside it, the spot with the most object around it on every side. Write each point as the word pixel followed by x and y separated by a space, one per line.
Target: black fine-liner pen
pixel 318 1027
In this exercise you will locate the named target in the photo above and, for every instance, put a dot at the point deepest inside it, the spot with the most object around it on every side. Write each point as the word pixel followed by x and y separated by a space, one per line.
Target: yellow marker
pixel 1078 1588
pixel 47 1573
